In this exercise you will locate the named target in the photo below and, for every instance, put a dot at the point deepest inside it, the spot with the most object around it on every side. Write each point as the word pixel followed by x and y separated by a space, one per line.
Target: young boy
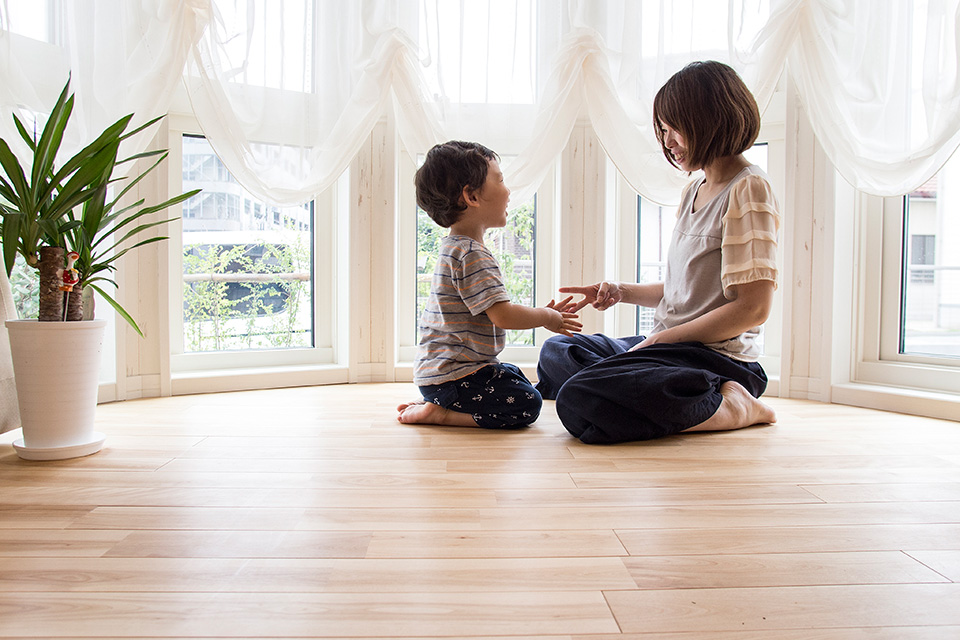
pixel 463 328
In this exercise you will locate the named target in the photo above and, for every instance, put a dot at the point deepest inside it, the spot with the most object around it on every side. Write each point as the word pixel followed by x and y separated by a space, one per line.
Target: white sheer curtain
pixel 287 92
pixel 122 57
pixel 880 81
pixel 287 96
pixel 128 57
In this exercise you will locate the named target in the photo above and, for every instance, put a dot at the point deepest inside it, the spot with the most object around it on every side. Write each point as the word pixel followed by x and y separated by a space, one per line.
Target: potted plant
pixel 67 223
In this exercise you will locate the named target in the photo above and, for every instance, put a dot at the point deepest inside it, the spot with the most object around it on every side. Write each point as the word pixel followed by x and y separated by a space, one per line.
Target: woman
pixel 698 369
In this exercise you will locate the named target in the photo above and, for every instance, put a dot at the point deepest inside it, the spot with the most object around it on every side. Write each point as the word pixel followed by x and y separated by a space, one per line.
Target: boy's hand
pixel 602 296
pixel 560 319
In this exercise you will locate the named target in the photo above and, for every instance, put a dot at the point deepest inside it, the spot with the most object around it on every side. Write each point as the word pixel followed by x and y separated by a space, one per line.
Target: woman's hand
pixel 602 295
pixel 649 340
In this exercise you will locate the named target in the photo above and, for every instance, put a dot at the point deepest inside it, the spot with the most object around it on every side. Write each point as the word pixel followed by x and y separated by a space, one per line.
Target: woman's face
pixel 674 143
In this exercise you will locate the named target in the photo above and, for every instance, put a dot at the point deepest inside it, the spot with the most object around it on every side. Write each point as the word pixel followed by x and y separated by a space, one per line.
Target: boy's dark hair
pixel 447 169
pixel 711 107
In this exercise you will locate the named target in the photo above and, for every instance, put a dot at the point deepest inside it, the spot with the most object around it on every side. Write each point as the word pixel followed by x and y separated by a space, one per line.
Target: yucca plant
pixel 47 211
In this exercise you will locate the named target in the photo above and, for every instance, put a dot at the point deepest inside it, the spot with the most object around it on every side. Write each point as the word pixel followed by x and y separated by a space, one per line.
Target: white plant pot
pixel 56 366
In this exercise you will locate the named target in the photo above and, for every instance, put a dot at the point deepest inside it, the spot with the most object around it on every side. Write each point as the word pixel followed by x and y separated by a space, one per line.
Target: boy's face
pixel 494 197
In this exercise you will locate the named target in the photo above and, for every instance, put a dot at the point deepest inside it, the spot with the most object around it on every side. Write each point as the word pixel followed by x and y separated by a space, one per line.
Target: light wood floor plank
pixel 240 544
pixel 265 615
pixel 792 539
pixel 835 633
pixel 778 570
pixel 360 480
pixel 302 575
pixel 688 516
pixel 653 496
pixel 770 610
pixel 61 543
pixel 294 465
pixel 886 492
pixel 750 473
pixel 944 562
pixel 253 497
pixel 494 544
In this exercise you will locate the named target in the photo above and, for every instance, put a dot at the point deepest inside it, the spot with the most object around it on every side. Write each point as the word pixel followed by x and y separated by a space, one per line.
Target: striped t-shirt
pixel 456 336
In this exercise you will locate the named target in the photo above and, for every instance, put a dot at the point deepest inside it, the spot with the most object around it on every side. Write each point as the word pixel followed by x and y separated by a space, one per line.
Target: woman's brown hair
pixel 711 107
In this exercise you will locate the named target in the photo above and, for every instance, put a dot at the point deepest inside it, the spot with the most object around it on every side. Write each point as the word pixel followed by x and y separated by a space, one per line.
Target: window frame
pixel 327 223
pixel 878 359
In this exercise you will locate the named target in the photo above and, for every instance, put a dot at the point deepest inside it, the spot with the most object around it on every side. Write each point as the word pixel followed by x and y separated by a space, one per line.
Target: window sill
pixel 931 404
pixel 219 380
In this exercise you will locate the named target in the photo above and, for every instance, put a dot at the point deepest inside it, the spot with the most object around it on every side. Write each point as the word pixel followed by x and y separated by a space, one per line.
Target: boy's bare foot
pixel 422 412
pixel 738 409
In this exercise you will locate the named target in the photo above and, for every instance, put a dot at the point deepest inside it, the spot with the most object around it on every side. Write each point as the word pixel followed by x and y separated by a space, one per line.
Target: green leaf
pixel 113 303
pixel 16 176
pixel 11 237
pixel 144 154
pixel 140 177
pixel 50 138
pixel 137 230
pixel 143 126
pixel 31 142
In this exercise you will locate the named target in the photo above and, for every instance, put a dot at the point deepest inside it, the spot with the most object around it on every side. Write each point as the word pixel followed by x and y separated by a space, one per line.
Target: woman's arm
pixel 604 295
pixel 554 317
pixel 750 309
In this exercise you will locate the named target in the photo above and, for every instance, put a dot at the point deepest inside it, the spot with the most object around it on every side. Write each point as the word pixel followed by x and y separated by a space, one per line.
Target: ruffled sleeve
pixel 750 227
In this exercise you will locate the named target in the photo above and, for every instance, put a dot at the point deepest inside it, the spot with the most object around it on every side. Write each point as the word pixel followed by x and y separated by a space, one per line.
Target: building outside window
pixel 247 275
pixel 930 277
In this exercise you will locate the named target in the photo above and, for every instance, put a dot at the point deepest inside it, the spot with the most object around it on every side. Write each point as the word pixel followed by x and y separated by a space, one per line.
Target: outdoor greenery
pixel 512 246
pixel 26 290
pixel 228 304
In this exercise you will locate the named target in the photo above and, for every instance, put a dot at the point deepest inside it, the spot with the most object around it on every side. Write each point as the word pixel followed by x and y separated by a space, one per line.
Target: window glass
pixel 247 265
pixel 930 278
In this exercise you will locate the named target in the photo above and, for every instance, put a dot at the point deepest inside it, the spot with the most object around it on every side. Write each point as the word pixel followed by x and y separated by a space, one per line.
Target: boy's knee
pixel 527 411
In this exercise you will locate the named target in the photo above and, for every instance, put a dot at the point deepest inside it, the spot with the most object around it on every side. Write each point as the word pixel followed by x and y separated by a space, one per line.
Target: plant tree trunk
pixel 74 303
pixel 51 297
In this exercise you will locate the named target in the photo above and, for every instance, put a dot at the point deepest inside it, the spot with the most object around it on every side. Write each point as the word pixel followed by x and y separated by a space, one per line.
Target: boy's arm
pixel 508 315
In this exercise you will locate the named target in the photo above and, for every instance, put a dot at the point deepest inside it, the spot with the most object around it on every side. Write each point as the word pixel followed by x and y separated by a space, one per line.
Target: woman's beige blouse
pixel 750 226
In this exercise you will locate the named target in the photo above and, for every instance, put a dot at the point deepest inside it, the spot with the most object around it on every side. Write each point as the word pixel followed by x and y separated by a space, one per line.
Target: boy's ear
pixel 469 196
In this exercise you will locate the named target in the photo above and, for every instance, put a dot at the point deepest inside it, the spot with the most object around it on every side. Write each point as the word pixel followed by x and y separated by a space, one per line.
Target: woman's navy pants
pixel 607 394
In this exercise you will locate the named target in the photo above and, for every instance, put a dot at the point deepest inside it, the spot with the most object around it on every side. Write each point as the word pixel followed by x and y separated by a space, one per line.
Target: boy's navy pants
pixel 498 396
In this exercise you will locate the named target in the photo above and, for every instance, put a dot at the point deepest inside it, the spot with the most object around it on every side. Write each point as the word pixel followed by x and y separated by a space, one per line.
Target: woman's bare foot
pixel 738 409
pixel 421 412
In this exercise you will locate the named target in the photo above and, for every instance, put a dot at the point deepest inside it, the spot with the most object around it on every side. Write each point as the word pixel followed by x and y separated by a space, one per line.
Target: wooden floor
pixel 312 513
